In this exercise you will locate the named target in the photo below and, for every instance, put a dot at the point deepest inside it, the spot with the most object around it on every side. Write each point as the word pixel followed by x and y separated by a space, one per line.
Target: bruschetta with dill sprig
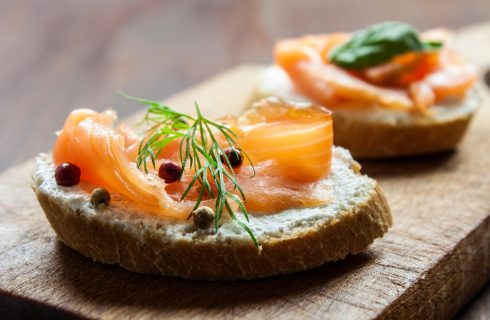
pixel 261 194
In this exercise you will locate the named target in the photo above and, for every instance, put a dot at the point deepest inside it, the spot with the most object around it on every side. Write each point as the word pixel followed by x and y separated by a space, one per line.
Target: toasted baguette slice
pixel 377 132
pixel 293 240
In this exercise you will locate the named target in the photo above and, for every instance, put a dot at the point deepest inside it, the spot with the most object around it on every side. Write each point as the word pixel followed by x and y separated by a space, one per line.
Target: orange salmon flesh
pixel 289 146
pixel 414 81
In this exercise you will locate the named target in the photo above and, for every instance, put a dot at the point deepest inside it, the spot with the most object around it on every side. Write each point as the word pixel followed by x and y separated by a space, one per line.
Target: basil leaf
pixel 378 44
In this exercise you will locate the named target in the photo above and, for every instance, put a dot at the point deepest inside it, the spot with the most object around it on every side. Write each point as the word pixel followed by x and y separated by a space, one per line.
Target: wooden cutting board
pixel 436 256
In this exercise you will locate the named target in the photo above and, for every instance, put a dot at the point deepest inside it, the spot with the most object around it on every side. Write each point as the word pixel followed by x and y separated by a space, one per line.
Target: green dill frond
pixel 199 152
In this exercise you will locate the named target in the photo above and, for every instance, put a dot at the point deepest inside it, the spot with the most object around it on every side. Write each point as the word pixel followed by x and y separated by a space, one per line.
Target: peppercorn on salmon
pixel 290 148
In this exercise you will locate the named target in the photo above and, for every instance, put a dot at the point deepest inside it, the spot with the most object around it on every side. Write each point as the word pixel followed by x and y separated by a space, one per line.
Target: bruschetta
pixel 243 197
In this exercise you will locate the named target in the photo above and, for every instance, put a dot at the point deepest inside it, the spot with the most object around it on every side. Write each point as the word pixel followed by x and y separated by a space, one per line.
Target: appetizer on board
pixel 393 91
pixel 251 196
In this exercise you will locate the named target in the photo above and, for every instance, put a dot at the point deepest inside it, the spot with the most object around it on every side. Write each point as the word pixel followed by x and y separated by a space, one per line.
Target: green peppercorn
pixel 203 217
pixel 100 198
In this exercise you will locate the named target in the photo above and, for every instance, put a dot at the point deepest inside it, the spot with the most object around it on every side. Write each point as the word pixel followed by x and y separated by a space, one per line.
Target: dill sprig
pixel 200 152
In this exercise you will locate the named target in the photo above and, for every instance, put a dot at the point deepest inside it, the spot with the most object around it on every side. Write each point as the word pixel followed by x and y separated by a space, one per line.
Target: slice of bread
pixel 292 240
pixel 377 132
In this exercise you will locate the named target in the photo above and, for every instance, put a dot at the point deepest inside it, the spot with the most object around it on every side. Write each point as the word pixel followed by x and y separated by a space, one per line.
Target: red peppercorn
pixel 67 174
pixel 170 171
pixel 234 157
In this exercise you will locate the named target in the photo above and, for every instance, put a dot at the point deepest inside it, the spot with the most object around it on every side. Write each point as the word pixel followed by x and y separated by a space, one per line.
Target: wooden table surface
pixel 56 55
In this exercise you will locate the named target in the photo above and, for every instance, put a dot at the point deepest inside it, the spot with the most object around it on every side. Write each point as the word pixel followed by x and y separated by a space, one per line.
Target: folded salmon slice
pixel 291 149
pixel 412 82
pixel 289 146
pixel 297 139
pixel 88 141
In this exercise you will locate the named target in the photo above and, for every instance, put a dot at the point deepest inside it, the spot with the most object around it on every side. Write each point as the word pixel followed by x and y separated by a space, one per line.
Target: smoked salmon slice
pixel 413 81
pixel 88 141
pixel 291 137
pixel 290 147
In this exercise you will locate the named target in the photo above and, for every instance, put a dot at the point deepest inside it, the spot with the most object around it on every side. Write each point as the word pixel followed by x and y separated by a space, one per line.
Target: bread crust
pixel 142 250
pixel 370 140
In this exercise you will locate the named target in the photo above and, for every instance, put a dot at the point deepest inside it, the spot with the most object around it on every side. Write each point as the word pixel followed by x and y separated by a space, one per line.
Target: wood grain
pixel 58 55
pixel 436 257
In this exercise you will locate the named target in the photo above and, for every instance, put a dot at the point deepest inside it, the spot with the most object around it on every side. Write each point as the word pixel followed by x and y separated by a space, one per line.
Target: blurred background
pixel 57 55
